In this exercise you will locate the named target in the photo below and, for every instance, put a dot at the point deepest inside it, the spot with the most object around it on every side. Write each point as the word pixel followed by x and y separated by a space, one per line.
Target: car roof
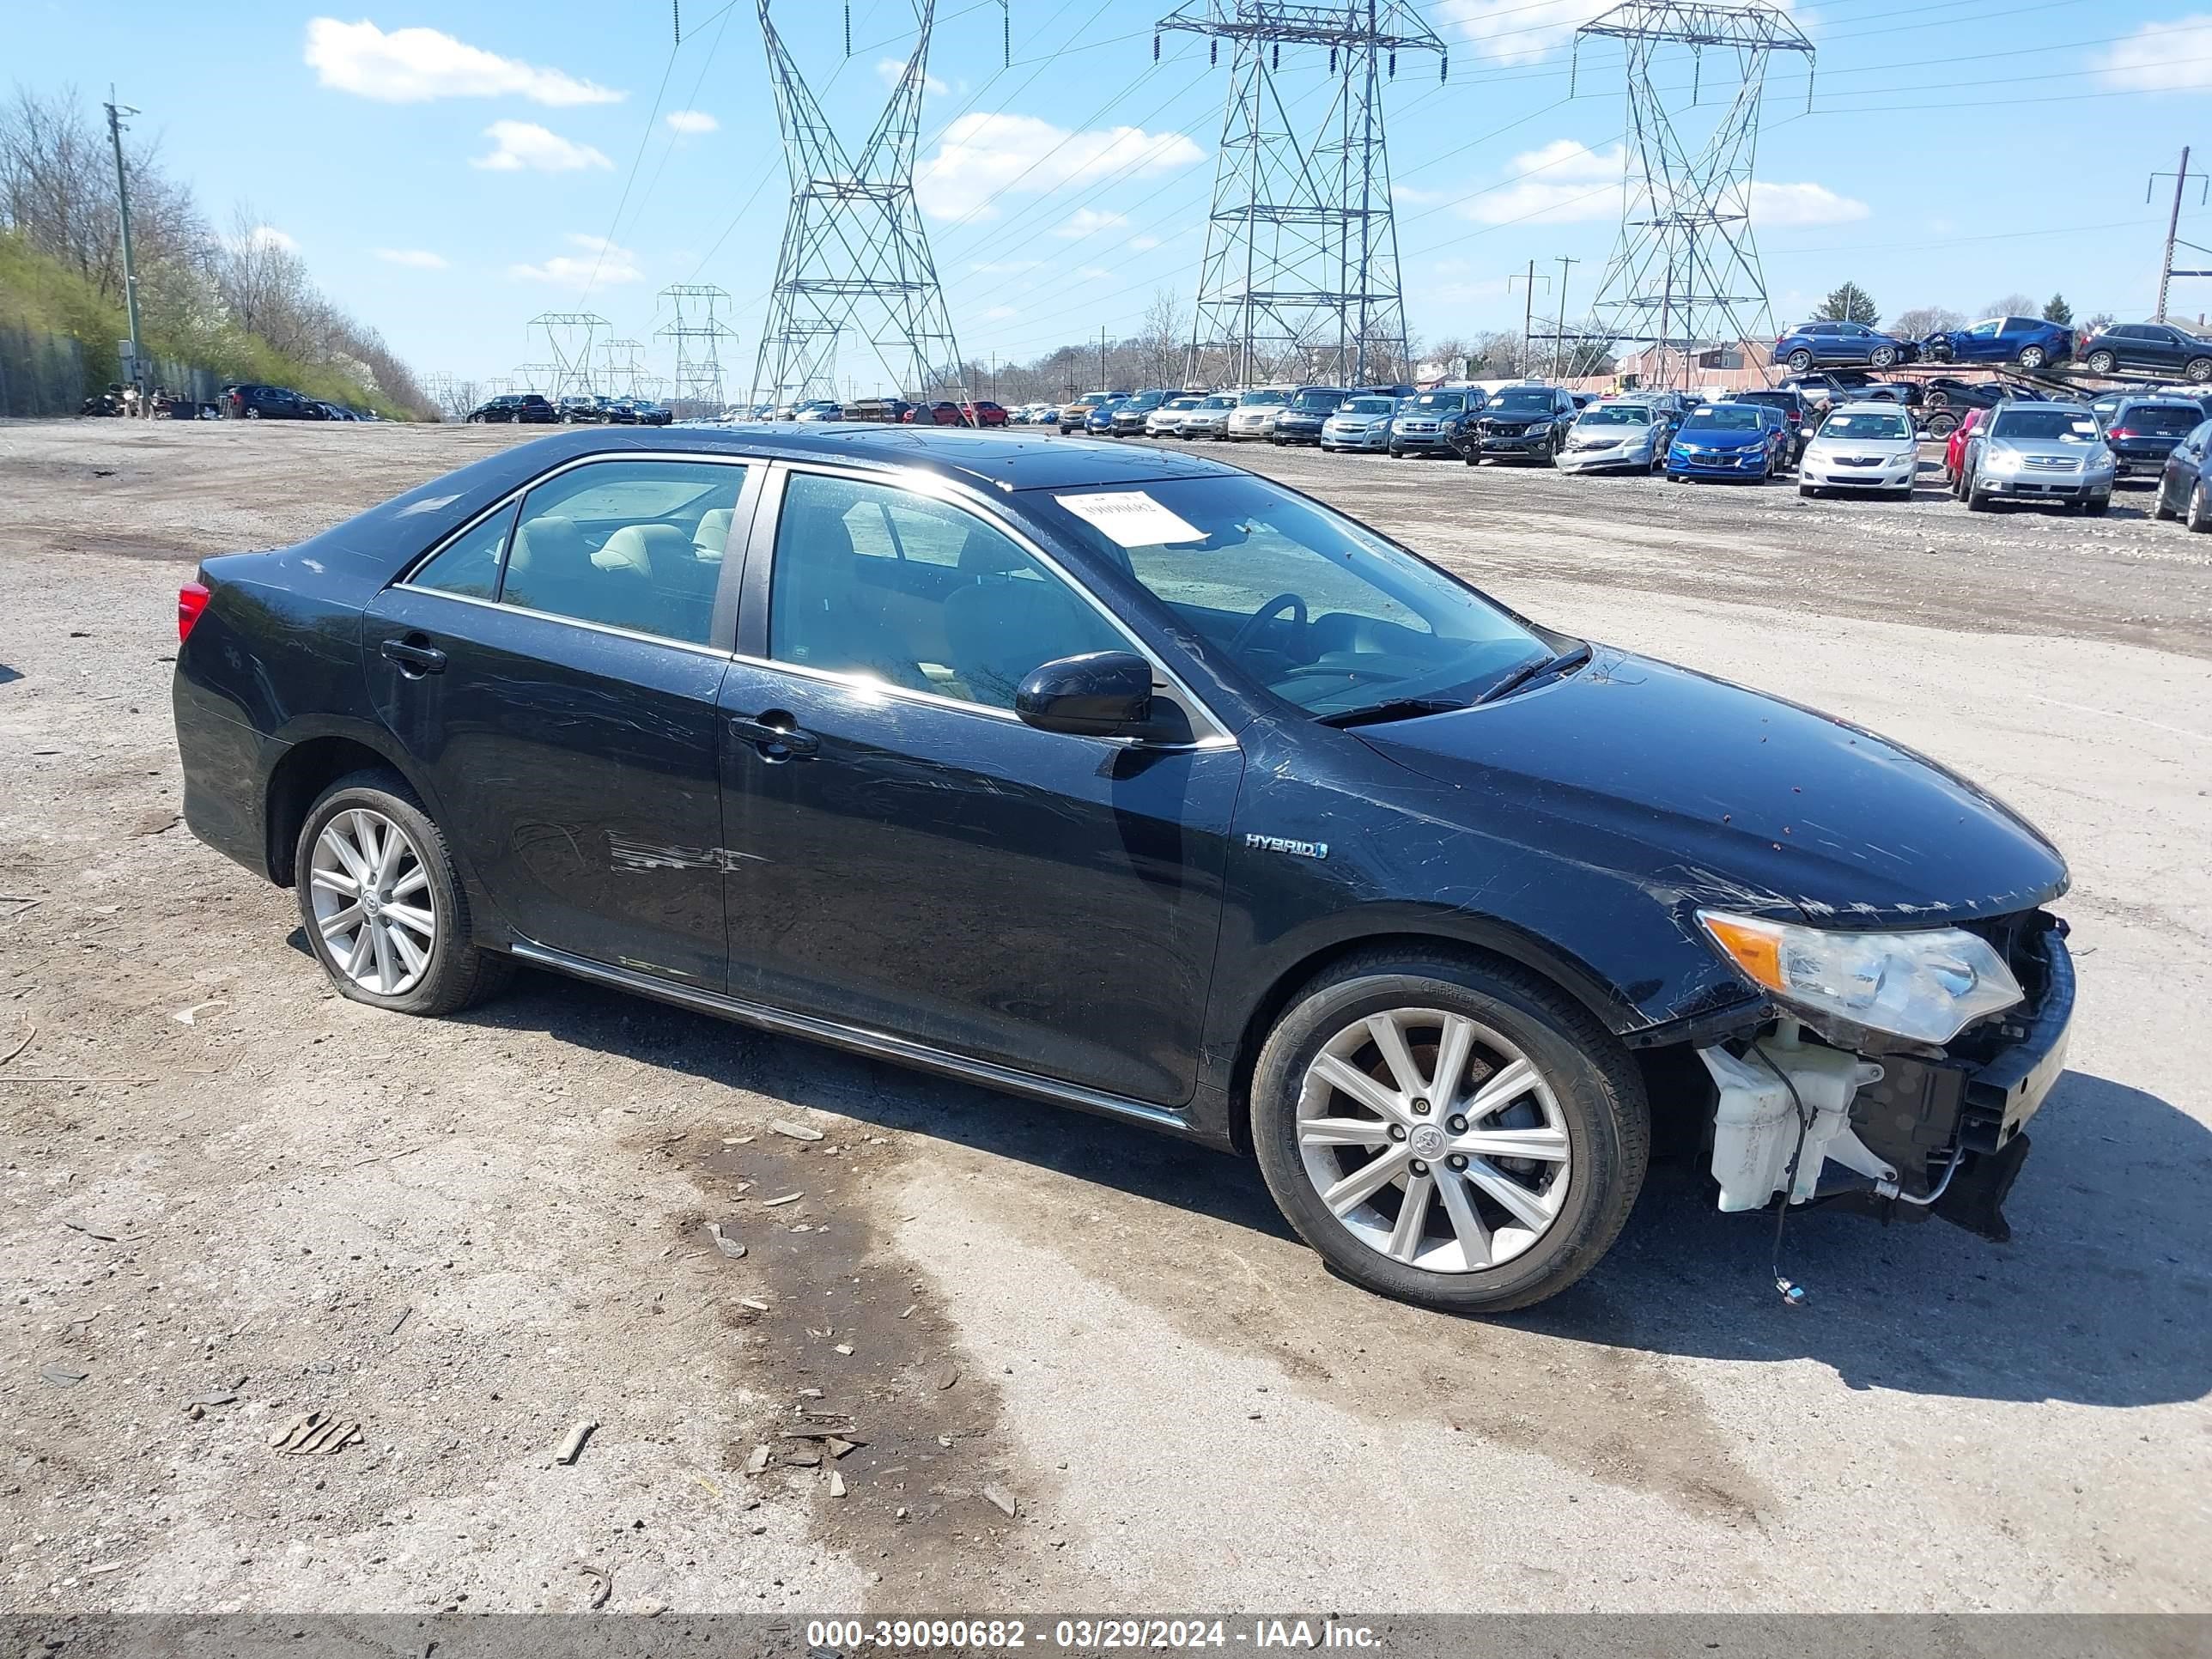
pixel 1868 406
pixel 994 460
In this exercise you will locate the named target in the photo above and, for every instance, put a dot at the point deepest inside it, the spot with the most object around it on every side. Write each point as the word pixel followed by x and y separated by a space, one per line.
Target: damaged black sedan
pixel 1127 780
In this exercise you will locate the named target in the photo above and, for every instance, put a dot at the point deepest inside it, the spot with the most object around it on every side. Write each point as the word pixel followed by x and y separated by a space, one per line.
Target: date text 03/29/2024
pixel 1085 1635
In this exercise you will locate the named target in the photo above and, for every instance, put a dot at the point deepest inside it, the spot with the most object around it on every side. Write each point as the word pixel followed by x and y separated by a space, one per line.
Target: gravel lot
pixel 226 1185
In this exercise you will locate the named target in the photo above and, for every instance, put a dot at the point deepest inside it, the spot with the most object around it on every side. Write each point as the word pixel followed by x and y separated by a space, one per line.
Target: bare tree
pixel 2014 305
pixel 1921 321
pixel 1162 343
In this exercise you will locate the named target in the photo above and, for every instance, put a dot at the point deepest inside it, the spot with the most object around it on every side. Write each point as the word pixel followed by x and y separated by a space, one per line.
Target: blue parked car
pixel 2029 342
pixel 1099 422
pixel 1819 345
pixel 1726 440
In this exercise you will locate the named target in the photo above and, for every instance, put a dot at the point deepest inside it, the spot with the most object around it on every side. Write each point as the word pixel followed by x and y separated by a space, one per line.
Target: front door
pixel 553 672
pixel 917 861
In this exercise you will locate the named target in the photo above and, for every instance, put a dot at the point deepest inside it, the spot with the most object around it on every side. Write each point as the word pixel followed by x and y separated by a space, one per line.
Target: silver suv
pixel 2039 453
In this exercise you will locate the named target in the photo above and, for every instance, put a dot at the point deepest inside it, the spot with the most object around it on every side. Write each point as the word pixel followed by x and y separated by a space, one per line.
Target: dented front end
pixel 1832 1114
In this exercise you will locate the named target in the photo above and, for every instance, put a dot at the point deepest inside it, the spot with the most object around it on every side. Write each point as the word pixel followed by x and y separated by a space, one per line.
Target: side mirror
pixel 1100 694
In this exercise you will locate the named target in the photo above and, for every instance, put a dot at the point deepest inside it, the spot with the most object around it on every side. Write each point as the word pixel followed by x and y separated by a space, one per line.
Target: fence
pixel 43 373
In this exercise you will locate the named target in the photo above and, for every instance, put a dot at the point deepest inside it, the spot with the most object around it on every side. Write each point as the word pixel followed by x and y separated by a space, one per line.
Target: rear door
pixel 552 672
pixel 917 862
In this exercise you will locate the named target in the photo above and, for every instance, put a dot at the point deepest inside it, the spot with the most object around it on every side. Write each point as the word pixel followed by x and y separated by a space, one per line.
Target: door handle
pixel 776 735
pixel 415 659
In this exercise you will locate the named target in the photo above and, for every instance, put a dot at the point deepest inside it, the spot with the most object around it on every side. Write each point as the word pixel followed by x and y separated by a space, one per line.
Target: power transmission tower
pixel 854 264
pixel 568 342
pixel 535 376
pixel 1301 248
pixel 2166 269
pixel 621 365
pixel 698 333
pixel 1685 270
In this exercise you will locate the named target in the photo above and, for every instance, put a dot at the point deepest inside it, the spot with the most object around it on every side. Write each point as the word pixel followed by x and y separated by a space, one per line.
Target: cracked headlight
pixel 1927 987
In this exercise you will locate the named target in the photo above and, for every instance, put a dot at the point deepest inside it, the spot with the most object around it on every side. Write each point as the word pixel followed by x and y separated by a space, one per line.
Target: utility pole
pixel 1528 311
pixel 1559 344
pixel 2167 273
pixel 115 114
pixel 1101 357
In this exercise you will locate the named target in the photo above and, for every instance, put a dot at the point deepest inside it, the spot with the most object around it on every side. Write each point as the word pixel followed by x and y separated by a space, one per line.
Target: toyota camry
pixel 1127 780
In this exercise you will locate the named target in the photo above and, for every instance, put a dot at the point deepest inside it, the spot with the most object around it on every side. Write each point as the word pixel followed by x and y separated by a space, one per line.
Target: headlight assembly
pixel 2001 461
pixel 1926 987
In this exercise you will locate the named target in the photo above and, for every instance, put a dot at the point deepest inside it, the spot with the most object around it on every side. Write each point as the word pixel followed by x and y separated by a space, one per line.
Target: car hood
pixel 1887 449
pixel 2083 453
pixel 1706 793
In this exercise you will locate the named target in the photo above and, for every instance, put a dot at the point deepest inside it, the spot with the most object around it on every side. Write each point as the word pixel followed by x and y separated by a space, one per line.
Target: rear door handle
pixel 775 734
pixel 415 659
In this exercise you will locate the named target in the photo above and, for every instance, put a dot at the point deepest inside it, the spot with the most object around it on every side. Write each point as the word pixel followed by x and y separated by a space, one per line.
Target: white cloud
pixel 1143 244
pixel 2174 56
pixel 1562 183
pixel 597 263
pixel 691 122
pixel 519 144
pixel 983 155
pixel 408 66
pixel 1088 221
pixel 414 258
pixel 889 70
pixel 1518 32
pixel 262 237
pixel 1802 204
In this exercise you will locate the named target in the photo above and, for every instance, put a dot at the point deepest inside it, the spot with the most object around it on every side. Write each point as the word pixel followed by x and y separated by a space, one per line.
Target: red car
pixel 1954 447
pixel 940 414
pixel 984 414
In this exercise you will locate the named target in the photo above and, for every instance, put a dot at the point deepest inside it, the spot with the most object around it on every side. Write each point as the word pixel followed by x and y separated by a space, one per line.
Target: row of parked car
pixel 251 400
pixel 2077 453
pixel 2025 342
pixel 536 409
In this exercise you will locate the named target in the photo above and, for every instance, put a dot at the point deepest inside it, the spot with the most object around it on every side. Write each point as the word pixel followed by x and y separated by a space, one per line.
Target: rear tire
pixel 1800 360
pixel 2102 362
pixel 454 972
pixel 1579 1105
pixel 2032 358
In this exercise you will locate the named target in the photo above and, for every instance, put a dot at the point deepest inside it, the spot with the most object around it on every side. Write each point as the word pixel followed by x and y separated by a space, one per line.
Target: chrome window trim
pixel 509 609
pixel 1213 732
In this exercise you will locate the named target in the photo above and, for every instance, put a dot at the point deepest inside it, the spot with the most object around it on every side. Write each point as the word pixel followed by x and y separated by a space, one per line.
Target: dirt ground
pixel 233 1198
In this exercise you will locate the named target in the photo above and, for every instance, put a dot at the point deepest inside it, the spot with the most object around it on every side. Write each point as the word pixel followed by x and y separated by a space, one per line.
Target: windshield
pixel 1181 403
pixel 1864 425
pixel 2045 425
pixel 1368 406
pixel 1323 611
pixel 1438 402
pixel 1536 401
pixel 1744 417
pixel 2167 420
pixel 1261 399
pixel 1218 401
pixel 1318 402
pixel 1616 414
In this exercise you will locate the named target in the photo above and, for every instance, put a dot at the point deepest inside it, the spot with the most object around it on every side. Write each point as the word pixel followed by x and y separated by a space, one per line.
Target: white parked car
pixel 1863 446
pixel 1622 435
pixel 1254 418
pixel 1166 420
pixel 1210 419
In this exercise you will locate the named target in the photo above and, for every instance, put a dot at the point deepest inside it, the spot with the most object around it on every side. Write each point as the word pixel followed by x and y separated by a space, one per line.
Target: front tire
pixel 2199 515
pixel 2198 371
pixel 1882 357
pixel 1461 1136
pixel 382 905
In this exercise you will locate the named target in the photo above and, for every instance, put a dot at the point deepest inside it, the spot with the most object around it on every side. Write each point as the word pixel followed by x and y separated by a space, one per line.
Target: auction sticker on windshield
pixel 1132 518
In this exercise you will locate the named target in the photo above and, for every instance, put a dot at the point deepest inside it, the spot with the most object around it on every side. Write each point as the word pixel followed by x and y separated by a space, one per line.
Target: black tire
pixel 2098 510
pixel 1939 353
pixel 1942 425
pixel 2159 507
pixel 2198 370
pixel 1976 501
pixel 2032 357
pixel 2198 517
pixel 460 973
pixel 2102 362
pixel 1599 1092
pixel 1882 357
pixel 1800 360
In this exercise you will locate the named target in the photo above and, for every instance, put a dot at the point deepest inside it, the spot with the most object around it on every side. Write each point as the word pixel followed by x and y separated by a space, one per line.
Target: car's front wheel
pixel 2198 370
pixel 1882 356
pixel 1455 1134
pixel 382 905
pixel 2199 515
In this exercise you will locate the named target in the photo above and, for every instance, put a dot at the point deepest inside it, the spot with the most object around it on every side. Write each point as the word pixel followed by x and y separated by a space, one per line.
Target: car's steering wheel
pixel 1250 631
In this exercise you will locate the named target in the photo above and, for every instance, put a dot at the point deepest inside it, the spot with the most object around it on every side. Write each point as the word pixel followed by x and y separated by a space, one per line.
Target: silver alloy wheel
pixel 1433 1140
pixel 371 893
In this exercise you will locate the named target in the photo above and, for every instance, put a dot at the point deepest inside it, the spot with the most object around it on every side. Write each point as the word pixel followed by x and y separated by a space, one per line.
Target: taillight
pixel 192 599
pixel 2119 432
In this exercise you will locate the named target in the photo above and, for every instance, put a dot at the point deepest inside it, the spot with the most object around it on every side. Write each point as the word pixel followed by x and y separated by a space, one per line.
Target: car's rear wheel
pixel 1461 1136
pixel 2032 357
pixel 382 905
pixel 1801 360
pixel 1942 425
pixel 2102 362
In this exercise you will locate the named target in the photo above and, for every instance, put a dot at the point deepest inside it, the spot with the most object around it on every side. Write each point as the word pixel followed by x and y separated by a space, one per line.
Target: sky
pixel 451 169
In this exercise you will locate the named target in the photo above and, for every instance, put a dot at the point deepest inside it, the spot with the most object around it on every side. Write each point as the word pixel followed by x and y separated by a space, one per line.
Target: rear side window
pixel 468 566
pixel 631 545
